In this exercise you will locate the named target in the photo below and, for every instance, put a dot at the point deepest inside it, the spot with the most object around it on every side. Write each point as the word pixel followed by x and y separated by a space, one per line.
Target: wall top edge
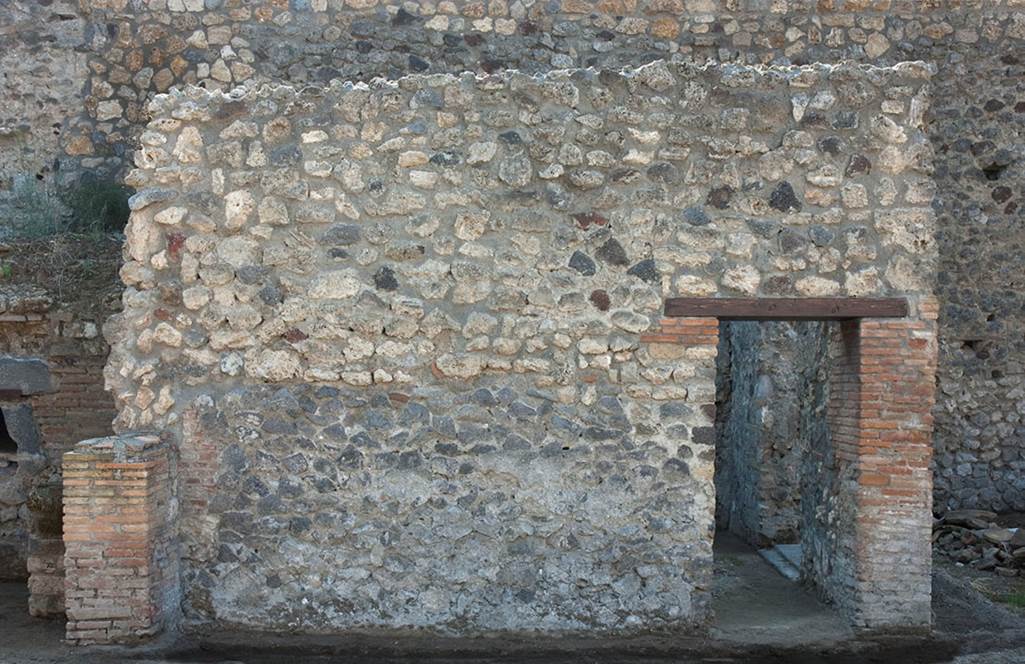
pixel 120 447
pixel 686 8
pixel 728 74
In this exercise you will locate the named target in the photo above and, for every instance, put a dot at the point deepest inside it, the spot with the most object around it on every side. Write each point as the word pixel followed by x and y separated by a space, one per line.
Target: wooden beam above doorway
pixel 786 308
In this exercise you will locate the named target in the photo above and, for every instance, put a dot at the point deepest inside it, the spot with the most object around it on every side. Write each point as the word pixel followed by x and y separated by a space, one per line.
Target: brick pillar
pixel 880 414
pixel 121 572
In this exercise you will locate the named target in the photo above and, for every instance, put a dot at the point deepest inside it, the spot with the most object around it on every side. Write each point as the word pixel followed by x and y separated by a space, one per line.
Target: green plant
pixel 34 209
pixel 97 206
pixel 1015 599
pixel 6 270
pixel 92 206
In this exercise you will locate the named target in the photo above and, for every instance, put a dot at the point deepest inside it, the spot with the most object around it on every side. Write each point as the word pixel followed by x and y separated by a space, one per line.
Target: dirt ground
pixel 77 271
pixel 760 617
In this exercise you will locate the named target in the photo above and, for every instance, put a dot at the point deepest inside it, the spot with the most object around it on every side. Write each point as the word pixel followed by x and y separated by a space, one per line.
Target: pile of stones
pixel 972 537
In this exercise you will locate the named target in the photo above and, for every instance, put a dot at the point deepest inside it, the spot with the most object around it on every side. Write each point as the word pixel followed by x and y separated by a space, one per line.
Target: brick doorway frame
pixel 875 563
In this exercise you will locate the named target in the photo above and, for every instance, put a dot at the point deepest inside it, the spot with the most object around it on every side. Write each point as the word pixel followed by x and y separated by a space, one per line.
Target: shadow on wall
pixel 772 391
pixel 7 444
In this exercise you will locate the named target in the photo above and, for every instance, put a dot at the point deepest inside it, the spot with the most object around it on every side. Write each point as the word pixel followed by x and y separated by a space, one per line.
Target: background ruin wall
pixel 66 343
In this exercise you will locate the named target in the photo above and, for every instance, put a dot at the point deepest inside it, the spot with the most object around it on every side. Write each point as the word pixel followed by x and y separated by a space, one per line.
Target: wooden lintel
pixel 786 308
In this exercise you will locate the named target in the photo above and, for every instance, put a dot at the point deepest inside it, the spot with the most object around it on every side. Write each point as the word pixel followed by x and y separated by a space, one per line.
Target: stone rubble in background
pixel 972 537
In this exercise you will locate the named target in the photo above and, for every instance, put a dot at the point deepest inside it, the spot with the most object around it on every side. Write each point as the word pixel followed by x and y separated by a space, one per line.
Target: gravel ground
pixel 969 629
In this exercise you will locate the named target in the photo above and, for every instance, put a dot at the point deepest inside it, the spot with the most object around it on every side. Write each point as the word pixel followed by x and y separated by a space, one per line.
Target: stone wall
pixel 42 79
pixel 407 333
pixel 980 438
pixel 739 458
pixel 137 49
pixel 229 42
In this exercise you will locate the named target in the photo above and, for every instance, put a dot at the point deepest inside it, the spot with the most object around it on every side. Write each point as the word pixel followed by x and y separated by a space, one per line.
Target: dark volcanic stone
pixel 612 252
pixel 821 236
pixel 600 300
pixel 720 197
pixel 675 468
pixel 384 279
pixel 845 120
pixel 341 234
pixel 580 262
pixel 1001 194
pixel 779 284
pixel 491 65
pixel 484 397
pixel 514 442
pixel 417 63
pixel 696 216
pixel 402 17
pixel 447 158
pixel 767 228
pixel 25 376
pixel 830 145
pixel 645 270
pixel 664 172
pixel 784 199
pixel 859 165
pixel 703 435
pixel 251 274
pixel 790 241
pixel 585 219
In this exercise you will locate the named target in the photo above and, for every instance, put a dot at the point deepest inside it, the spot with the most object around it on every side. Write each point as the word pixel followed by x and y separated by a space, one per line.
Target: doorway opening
pixel 772 441
pixel 772 391
pixel 8 446
pixel 865 486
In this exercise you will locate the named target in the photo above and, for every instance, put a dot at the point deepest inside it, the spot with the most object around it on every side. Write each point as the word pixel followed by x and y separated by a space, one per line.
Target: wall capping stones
pixel 651 74
pixel 25 376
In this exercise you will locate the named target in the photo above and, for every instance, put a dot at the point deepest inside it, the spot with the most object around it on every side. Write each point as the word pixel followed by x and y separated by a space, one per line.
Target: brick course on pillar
pixel 121 574
pixel 882 394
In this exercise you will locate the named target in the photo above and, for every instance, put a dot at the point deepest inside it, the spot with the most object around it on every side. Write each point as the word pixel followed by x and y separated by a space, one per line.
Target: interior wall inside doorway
pixel 772 435
pixel 8 445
